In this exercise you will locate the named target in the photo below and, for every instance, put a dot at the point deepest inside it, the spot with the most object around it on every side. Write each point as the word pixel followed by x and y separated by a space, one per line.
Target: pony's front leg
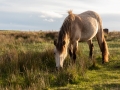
pixel 75 47
pixel 70 50
pixel 70 53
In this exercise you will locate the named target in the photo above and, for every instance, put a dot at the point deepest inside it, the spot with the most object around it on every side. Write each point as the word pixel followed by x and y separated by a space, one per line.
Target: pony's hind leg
pixel 90 48
pixel 91 51
pixel 103 46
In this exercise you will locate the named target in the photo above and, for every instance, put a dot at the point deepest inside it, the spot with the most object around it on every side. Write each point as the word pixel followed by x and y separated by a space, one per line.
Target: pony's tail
pixel 105 50
pixel 71 15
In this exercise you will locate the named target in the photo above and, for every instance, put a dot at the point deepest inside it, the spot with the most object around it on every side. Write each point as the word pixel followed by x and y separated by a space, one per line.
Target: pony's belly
pixel 90 30
pixel 85 39
pixel 87 36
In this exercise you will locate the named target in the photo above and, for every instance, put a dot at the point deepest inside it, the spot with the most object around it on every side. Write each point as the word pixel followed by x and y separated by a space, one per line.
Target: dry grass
pixel 113 36
pixel 29 37
pixel 27 62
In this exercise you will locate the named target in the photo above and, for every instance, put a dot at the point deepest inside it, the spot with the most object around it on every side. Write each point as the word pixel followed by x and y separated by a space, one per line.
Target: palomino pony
pixel 82 27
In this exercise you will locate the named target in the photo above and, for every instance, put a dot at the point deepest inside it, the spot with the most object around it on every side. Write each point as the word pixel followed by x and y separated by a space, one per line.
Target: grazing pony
pixel 79 27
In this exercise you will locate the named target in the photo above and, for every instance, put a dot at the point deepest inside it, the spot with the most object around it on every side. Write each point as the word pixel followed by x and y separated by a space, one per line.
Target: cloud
pixel 28 21
pixel 39 13
pixel 50 14
pixel 57 8
pixel 42 16
pixel 49 20
pixel 111 21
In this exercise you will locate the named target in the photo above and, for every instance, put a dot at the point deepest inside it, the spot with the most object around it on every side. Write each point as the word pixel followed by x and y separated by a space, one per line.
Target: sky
pixel 50 14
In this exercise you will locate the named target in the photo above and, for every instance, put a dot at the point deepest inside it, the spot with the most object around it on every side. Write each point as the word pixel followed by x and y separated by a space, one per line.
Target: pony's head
pixel 61 44
pixel 60 52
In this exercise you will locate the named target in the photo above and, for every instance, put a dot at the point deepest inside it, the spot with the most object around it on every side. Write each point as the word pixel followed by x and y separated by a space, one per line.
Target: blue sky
pixel 49 14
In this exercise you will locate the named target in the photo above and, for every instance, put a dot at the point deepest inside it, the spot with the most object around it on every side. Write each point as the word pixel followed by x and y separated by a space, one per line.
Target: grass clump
pixel 25 69
pixel 27 62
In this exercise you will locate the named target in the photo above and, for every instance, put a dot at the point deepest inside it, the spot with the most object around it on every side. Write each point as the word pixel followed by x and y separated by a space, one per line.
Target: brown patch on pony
pixel 65 30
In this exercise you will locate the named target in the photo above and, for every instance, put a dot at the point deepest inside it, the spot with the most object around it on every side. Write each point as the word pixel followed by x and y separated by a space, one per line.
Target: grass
pixel 27 62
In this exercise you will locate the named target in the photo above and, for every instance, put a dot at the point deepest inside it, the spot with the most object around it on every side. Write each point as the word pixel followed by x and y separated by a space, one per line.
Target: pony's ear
pixel 55 42
pixel 63 43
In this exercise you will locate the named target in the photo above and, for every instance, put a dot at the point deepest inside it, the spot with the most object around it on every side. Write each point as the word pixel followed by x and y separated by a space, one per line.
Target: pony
pixel 79 28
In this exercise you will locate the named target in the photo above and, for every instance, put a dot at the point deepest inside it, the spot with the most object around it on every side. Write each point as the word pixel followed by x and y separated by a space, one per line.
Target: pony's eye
pixel 54 53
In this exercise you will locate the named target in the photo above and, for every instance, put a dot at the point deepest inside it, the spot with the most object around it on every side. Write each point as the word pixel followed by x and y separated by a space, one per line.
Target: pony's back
pixel 91 15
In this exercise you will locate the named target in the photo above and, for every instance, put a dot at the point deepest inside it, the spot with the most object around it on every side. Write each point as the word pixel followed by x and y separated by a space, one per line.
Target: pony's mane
pixel 65 29
pixel 71 15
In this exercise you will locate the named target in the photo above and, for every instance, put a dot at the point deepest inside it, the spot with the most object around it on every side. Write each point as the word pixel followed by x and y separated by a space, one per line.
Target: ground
pixel 27 62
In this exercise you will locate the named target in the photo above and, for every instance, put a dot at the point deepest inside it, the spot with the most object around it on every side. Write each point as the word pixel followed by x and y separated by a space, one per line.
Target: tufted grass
pixel 27 62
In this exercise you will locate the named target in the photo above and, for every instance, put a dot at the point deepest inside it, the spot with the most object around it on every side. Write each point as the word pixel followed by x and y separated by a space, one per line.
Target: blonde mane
pixel 71 15
pixel 65 29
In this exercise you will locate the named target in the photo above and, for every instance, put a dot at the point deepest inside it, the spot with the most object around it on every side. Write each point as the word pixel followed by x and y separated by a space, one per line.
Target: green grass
pixel 27 62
